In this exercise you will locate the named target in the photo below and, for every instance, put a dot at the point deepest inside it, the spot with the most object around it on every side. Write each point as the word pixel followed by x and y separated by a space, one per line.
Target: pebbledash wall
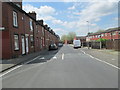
pixel 22 33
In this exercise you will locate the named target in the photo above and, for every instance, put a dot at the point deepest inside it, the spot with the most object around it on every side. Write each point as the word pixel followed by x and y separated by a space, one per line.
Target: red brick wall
pixel 27 31
pixel 6 50
pixel 15 30
pixel 22 29
pixel 0 31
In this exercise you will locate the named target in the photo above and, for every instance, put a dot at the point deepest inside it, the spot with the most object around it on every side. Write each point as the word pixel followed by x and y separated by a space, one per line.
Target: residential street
pixel 64 68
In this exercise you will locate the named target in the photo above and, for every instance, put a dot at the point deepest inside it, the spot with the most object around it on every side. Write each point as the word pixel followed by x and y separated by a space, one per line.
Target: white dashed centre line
pixel 63 56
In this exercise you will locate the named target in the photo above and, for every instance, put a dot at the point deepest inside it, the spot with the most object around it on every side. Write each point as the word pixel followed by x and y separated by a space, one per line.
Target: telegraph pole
pixel 88 33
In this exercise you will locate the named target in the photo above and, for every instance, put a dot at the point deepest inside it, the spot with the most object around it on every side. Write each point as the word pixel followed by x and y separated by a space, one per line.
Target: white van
pixel 77 43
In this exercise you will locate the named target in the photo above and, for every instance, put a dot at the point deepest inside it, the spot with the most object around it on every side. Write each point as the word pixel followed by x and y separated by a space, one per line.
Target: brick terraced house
pixel 21 33
pixel 110 34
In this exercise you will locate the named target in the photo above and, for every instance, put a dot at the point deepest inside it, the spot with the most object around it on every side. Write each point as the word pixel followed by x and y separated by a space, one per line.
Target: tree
pixel 100 31
pixel 71 36
pixel 101 40
pixel 63 38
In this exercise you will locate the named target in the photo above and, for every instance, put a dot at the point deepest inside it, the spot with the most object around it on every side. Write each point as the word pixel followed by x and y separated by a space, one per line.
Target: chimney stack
pixel 40 21
pixel 32 14
pixel 46 25
pixel 18 3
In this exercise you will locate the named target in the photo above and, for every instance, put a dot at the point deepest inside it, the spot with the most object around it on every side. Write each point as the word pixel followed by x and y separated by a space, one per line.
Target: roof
pixel 81 37
pixel 106 31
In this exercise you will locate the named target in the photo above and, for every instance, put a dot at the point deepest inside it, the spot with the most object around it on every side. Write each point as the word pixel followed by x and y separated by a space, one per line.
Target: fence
pixel 109 44
pixel 113 44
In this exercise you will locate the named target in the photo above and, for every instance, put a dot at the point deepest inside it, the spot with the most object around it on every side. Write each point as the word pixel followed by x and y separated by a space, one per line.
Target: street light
pixel 88 33
pixel 88 25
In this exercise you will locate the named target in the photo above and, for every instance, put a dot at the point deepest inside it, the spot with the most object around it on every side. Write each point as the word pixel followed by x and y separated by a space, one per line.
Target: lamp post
pixel 88 33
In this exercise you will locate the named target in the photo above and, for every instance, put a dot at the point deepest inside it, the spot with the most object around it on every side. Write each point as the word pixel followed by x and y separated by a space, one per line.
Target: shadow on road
pixel 44 56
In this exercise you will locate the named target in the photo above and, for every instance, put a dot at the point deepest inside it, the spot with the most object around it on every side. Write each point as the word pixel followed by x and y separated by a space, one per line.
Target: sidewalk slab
pixel 7 64
pixel 109 56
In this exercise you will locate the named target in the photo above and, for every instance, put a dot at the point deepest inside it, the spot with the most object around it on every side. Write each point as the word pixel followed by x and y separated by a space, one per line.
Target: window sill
pixel 32 46
pixel 17 50
pixel 15 26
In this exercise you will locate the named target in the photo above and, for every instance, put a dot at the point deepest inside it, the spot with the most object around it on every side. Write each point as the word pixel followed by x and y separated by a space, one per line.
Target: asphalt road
pixel 65 68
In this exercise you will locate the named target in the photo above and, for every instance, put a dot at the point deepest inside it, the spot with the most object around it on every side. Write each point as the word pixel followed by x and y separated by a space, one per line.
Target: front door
pixel 23 44
pixel 27 48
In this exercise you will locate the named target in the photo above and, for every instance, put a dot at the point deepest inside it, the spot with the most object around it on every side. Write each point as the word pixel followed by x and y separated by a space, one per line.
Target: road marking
pixel 18 67
pixel 54 57
pixel 10 70
pixel 113 59
pixel 63 56
pixel 42 58
pixel 100 60
pixel 31 60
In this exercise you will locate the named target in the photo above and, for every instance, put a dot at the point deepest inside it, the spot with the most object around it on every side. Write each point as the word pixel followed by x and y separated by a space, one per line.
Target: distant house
pixel 82 39
pixel 110 34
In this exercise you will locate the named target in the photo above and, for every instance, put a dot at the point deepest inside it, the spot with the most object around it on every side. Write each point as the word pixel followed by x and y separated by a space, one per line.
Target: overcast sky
pixel 64 17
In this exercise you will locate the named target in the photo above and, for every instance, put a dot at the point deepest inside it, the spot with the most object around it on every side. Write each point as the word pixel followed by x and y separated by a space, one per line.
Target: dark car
pixel 53 46
pixel 60 44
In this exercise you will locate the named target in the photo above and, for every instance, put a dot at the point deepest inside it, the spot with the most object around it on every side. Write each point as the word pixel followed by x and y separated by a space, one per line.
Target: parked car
pixel 77 43
pixel 60 44
pixel 53 46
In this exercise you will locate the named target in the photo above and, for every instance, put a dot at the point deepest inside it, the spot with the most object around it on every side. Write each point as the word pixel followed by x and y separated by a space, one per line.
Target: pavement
pixel 10 63
pixel 110 56
pixel 63 68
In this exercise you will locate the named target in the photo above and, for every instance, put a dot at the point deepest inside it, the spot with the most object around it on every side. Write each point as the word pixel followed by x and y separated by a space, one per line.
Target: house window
pixel 41 43
pixel 105 34
pixel 37 31
pixel 113 33
pixel 37 42
pixel 119 32
pixel 99 36
pixel 102 35
pixel 31 40
pixel 16 42
pixel 15 21
pixel 31 25
pixel 43 31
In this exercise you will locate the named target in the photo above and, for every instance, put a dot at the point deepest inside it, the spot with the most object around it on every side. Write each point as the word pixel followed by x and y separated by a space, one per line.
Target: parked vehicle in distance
pixel 77 43
pixel 60 44
pixel 53 46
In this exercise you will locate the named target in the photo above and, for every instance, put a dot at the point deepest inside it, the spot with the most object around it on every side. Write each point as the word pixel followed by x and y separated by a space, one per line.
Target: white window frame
pixel 31 25
pixel 32 40
pixel 102 35
pixel 113 33
pixel 43 31
pixel 98 36
pixel 118 32
pixel 15 19
pixel 37 29
pixel 16 42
